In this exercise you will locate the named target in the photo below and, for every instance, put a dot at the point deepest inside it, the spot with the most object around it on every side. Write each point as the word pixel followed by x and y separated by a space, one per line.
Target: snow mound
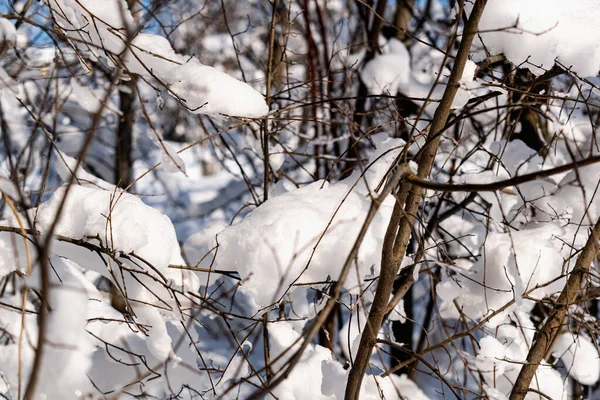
pixel 8 33
pixel 100 29
pixel 537 32
pixel 123 240
pixel 580 357
pixel 305 235
pixel 113 217
pixel 327 375
pixel 388 73
pixel 509 268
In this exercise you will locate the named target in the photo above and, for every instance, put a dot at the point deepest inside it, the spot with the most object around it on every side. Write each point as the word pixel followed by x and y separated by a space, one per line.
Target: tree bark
pixel 124 142
pixel 554 322
pixel 403 216
pixel 403 16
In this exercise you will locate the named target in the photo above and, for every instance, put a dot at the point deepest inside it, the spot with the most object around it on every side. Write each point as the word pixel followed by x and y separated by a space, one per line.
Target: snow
pixel 398 313
pixel 499 361
pixel 170 160
pixel 68 344
pixel 10 321
pixel 535 33
pixel 97 27
pixel 414 74
pixel 490 356
pixel 15 252
pixel 91 100
pixel 207 90
pixel 328 377
pixel 193 334
pixel 8 188
pixel 151 54
pixel 579 356
pixel 112 216
pixel 108 218
pixel 88 215
pixel 509 268
pixel 7 262
pixel 304 231
pixel 517 158
pixel 200 250
pixel 388 73
pixel 283 337
pixel 467 84
pixel 373 387
pixel 576 197
pixel 202 89
pixel 8 33
pixel 350 333
pixel 65 168
pixel 6 82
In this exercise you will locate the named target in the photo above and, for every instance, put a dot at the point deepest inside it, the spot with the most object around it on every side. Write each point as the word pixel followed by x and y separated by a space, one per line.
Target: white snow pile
pixel 467 84
pixel 68 343
pixel 111 218
pixel 327 375
pixel 304 235
pixel 571 196
pixel 100 29
pixel 500 358
pixel 89 349
pixel 520 264
pixel 8 33
pixel 528 261
pixel 574 197
pixel 416 74
pixel 579 356
pixel 509 268
pixel 6 82
pixel 389 72
pixel 143 243
pixel 536 32
pixel 8 188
